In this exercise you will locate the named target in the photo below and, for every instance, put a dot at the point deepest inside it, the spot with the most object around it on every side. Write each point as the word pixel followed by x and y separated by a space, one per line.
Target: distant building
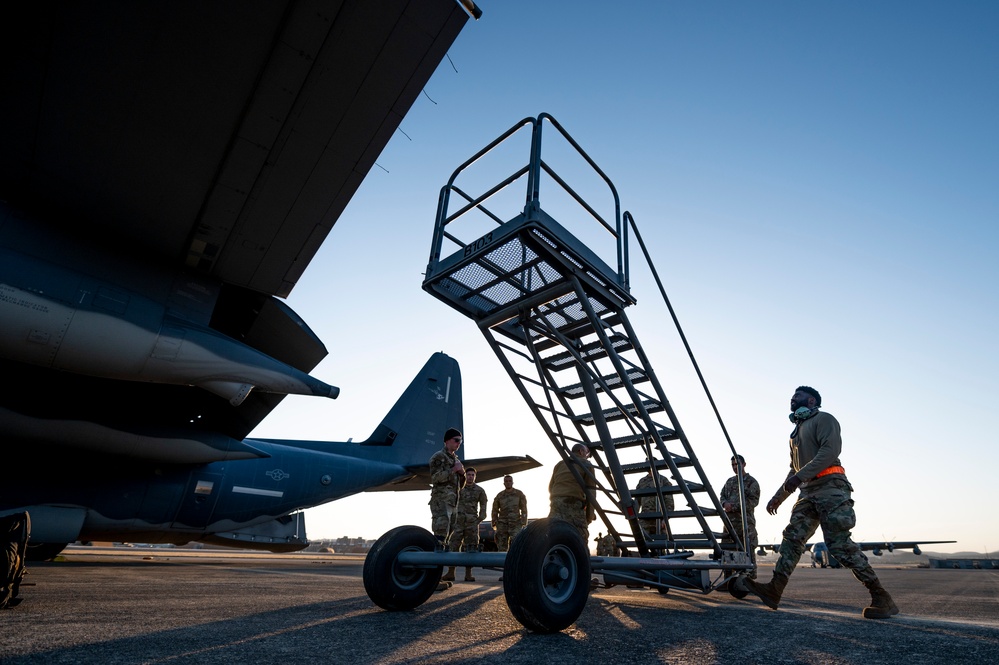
pixel 974 564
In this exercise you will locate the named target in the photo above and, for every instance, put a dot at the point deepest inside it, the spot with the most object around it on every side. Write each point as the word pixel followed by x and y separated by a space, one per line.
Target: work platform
pixel 553 310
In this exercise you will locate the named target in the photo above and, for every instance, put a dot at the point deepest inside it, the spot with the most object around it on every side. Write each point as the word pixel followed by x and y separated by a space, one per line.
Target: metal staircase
pixel 554 312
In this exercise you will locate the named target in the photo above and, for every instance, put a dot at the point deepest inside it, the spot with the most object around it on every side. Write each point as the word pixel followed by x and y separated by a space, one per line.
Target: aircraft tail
pixel 414 428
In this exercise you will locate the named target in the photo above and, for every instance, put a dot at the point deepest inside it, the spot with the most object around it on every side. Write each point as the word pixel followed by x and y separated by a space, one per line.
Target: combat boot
pixel 882 605
pixel 770 592
pixel 468 574
pixel 449 575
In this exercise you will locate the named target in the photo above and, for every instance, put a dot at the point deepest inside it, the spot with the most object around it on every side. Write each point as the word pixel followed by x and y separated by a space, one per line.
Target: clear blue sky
pixel 819 186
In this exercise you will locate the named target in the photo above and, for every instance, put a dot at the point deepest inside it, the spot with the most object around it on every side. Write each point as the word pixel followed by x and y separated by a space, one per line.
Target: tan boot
pixel 882 605
pixel 449 575
pixel 468 574
pixel 770 592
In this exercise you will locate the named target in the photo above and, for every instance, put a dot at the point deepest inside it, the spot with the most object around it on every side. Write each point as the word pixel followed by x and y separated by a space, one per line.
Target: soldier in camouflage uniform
pixel 509 514
pixel 729 498
pixel 649 504
pixel 447 474
pixel 825 501
pixel 570 502
pixel 606 545
pixel 471 510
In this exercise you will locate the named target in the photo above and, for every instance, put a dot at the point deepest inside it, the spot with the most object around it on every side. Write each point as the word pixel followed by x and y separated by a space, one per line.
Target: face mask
pixel 802 413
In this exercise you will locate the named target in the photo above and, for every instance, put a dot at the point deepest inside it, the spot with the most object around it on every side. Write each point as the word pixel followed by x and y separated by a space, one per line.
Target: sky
pixel 818 185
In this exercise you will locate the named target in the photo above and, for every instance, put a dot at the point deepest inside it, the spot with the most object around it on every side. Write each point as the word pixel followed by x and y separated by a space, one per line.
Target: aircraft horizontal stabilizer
pixel 486 468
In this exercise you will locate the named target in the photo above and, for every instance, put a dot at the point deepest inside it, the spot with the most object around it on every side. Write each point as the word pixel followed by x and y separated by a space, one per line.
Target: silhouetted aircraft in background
pixel 822 558
pixel 167 172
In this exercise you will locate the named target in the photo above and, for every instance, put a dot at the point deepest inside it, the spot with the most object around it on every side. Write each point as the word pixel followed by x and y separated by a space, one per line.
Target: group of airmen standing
pixel 458 505
pixel 825 500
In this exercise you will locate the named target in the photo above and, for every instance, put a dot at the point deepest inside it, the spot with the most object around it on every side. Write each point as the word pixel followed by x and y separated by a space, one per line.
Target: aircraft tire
pixel 546 576
pixel 43 551
pixel 392 586
pixel 737 586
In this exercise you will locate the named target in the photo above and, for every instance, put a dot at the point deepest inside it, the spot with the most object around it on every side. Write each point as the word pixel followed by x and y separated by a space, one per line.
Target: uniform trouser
pixel 831 507
pixel 442 511
pixel 504 534
pixel 572 511
pixel 466 533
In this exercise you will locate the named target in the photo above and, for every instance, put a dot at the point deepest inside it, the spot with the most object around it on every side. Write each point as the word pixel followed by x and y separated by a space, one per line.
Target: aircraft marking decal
pixel 238 489
pixel 277 474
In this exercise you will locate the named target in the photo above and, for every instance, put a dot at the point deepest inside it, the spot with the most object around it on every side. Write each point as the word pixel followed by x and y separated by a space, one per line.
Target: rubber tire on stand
pixel 391 585
pixel 546 576
pixel 737 586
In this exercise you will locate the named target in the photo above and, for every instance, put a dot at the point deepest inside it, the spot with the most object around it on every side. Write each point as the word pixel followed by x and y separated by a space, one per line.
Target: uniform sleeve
pixel 483 501
pixel 752 495
pixel 523 509
pixel 726 493
pixel 440 470
pixel 495 513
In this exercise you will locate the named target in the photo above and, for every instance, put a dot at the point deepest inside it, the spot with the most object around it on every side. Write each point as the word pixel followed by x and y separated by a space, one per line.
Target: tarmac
pixel 187 606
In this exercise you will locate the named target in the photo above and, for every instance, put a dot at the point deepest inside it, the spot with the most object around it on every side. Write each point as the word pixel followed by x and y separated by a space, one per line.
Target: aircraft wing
pixel 486 468
pixel 215 142
pixel 891 545
pixel 227 136
pixel 871 546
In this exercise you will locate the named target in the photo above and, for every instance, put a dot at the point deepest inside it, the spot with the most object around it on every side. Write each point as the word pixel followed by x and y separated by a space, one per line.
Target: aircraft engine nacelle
pixel 876 551
pixel 916 550
pixel 61 319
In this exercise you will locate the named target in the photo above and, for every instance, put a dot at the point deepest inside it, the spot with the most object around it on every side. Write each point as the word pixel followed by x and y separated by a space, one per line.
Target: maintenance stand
pixel 553 311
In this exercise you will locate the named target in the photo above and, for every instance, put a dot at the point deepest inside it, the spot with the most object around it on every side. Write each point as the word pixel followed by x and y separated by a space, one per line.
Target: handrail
pixel 618 235
pixel 690 353
pixel 533 170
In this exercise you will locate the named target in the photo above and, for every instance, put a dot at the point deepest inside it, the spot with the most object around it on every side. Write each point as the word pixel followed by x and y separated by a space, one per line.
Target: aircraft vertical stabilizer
pixel 414 428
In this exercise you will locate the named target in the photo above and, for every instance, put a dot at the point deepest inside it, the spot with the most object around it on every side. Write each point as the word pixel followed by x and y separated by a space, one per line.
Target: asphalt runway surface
pixel 179 606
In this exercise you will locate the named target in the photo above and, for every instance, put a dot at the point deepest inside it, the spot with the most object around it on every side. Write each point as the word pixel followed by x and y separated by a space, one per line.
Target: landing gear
pixel 547 576
pixel 43 551
pixel 391 585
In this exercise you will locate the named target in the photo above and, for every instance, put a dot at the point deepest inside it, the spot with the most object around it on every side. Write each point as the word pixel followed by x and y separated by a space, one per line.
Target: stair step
pixel 631 440
pixel 707 512
pixel 577 330
pixel 591 351
pixel 613 381
pixel 642 467
pixel 651 491
pixel 667 489
pixel 610 415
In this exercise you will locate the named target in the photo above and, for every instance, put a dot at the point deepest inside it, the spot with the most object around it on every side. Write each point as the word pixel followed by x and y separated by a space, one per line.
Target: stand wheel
pixel 391 585
pixel 546 576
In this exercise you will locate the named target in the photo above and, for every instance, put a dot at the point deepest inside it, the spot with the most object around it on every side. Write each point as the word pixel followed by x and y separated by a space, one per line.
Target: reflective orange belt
pixel 832 469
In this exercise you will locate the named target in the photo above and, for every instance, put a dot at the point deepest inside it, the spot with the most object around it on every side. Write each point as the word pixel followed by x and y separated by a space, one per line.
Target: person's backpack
pixel 14 532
